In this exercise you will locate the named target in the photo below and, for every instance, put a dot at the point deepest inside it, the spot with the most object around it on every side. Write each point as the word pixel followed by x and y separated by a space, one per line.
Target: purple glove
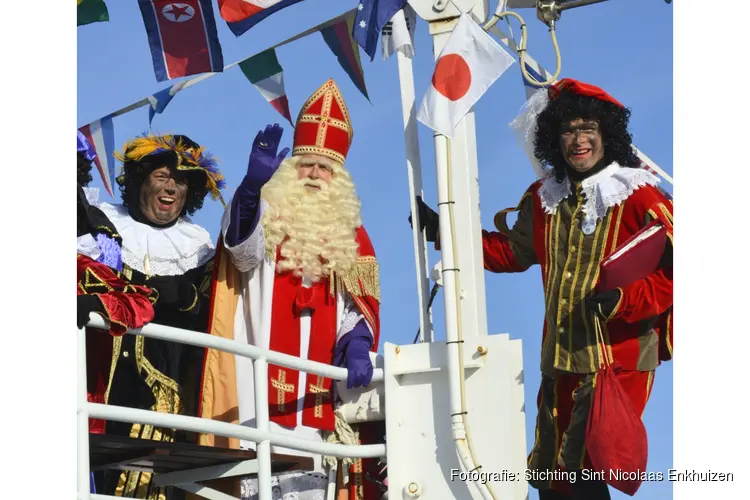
pixel 353 349
pixel 261 166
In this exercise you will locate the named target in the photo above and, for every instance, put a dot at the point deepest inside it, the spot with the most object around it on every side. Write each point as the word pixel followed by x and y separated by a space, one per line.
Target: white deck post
pixel 263 449
pixel 414 174
pixel 84 474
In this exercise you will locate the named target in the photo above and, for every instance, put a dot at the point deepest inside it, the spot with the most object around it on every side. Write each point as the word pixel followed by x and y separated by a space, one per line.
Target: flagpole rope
pixel 522 49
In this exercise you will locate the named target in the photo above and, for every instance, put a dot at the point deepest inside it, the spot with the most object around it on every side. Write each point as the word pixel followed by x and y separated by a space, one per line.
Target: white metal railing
pixel 260 434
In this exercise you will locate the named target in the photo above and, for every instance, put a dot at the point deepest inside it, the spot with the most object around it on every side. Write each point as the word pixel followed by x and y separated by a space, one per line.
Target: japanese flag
pixel 470 62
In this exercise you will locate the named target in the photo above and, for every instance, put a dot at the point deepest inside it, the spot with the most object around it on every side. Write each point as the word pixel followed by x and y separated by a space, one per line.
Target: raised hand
pixel 264 161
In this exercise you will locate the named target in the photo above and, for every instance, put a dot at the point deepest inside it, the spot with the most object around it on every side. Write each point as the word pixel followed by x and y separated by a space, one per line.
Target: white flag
pixel 470 62
pixel 398 33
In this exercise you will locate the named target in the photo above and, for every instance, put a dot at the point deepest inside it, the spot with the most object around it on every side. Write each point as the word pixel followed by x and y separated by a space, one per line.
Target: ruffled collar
pixel 171 251
pixel 601 191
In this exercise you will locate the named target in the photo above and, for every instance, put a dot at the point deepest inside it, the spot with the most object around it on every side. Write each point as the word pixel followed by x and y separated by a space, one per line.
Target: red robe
pixel 127 306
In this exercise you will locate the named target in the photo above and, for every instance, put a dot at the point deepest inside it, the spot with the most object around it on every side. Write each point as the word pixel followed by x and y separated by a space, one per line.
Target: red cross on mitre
pixel 323 125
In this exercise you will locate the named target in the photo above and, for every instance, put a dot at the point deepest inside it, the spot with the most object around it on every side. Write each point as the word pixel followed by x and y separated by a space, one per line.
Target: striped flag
pixel 338 37
pixel 536 72
pixel 241 15
pixel 159 101
pixel 101 137
pixel 92 11
pixel 265 73
pixel 182 37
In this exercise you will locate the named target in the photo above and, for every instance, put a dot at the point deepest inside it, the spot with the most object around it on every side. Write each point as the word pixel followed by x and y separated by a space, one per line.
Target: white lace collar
pixel 601 191
pixel 171 251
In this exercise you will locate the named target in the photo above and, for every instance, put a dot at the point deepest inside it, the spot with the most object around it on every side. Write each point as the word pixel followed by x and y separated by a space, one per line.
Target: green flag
pixel 265 73
pixel 92 11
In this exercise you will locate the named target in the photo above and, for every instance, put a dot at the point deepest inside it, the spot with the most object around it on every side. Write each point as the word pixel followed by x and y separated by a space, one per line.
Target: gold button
pixel 568 275
pixel 125 354
pixel 573 248
pixel 563 302
pixel 561 330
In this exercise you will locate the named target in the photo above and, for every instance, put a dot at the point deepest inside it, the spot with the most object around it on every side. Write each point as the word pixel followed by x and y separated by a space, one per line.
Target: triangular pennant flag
pixel 101 137
pixel 470 62
pixel 339 39
pixel 265 73
pixel 159 101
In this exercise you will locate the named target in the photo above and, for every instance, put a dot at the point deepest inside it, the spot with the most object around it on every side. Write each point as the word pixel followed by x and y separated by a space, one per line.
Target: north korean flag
pixel 182 37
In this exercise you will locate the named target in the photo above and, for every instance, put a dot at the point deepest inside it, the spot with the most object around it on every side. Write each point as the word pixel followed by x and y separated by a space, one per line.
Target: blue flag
pixel 371 16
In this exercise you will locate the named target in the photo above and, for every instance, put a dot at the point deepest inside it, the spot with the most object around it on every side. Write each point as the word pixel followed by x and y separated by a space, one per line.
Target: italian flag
pixel 92 11
pixel 265 73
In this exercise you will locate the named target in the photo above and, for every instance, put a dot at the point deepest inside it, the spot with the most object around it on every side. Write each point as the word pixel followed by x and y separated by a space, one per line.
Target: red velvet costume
pixel 568 229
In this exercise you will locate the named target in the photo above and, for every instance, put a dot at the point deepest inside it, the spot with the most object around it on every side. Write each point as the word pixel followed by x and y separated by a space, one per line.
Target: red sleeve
pixel 126 310
pixel 498 255
pixel 126 305
pixel 651 296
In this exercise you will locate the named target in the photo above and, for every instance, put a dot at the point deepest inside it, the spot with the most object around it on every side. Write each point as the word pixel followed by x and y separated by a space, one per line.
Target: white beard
pixel 320 227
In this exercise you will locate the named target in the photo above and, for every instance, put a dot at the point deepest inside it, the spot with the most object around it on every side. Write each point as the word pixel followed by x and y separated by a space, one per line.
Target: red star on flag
pixel 177 11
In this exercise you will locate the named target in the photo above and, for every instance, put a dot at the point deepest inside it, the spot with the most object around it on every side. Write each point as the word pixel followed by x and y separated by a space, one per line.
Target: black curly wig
pixel 84 170
pixel 136 173
pixel 613 123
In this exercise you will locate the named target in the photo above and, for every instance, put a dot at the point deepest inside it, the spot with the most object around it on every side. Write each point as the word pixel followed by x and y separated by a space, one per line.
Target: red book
pixel 635 259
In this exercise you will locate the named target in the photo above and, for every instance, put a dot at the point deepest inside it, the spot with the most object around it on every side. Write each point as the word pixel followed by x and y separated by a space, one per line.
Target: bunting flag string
pixel 341 47
pixel 339 39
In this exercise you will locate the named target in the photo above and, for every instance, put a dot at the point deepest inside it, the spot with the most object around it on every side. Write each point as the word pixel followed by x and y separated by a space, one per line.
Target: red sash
pixel 290 298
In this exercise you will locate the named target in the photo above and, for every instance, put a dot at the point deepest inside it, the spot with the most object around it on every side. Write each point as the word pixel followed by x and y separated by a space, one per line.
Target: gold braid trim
pixel 362 279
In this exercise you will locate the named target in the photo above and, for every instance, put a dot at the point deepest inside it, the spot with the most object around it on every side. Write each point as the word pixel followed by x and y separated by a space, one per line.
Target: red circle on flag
pixel 452 77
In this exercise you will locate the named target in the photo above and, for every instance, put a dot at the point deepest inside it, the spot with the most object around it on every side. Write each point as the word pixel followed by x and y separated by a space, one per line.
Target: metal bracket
pixel 548 12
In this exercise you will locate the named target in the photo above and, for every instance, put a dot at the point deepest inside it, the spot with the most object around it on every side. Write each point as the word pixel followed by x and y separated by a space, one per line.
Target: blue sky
pixel 623 46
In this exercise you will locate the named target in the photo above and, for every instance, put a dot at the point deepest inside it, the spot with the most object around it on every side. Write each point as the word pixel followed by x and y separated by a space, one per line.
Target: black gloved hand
pixel 603 303
pixel 86 305
pixel 173 291
pixel 428 219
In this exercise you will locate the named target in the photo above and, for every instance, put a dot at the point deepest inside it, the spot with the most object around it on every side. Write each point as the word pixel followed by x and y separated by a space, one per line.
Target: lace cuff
pixel 351 316
pixel 250 253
